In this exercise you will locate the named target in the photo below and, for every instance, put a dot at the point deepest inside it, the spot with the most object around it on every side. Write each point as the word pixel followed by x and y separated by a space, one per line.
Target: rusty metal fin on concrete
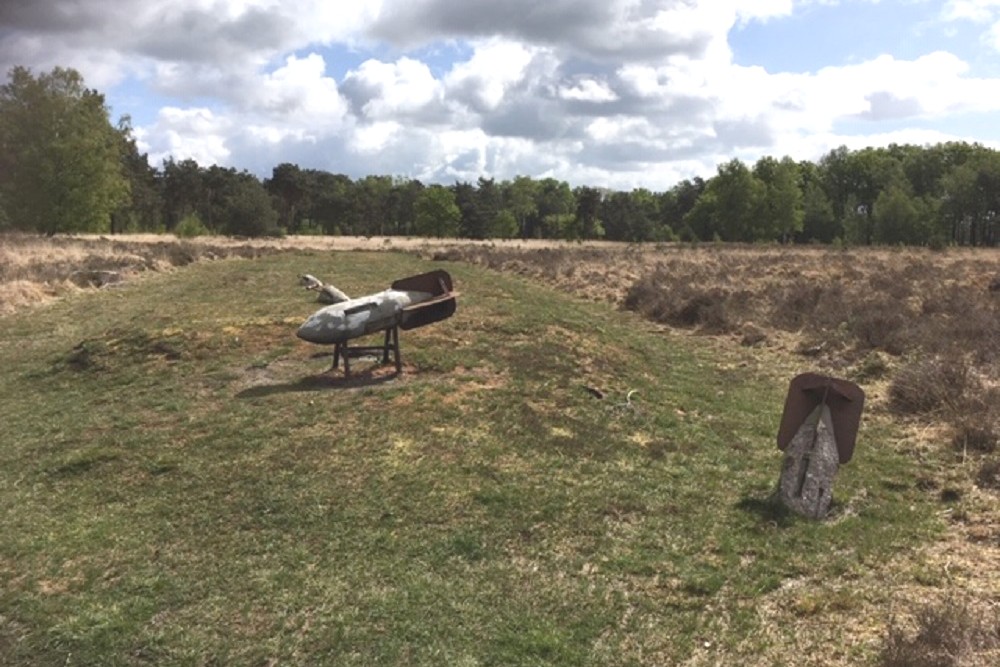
pixel 845 400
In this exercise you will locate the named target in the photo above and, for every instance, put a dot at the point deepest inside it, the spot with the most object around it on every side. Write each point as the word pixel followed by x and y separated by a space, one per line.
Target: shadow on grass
pixel 367 378
pixel 768 509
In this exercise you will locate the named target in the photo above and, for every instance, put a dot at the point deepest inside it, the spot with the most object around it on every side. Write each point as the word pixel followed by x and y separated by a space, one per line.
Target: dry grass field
pixel 918 330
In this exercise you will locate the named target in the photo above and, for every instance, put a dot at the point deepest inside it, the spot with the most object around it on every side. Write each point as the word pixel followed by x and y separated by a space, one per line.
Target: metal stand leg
pixel 389 343
pixel 386 346
pixel 395 349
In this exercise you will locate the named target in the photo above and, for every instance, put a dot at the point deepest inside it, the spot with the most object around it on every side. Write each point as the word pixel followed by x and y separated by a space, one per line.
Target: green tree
pixel 437 214
pixel 373 205
pixel 289 186
pixel 504 225
pixel 900 218
pixel 854 181
pixel 781 213
pixel 520 198
pixel 403 205
pixel 486 207
pixel 331 202
pixel 218 185
pixel 182 190
pixel 466 199
pixel 818 221
pixel 730 205
pixel 588 211
pixel 972 205
pixel 630 216
pixel 555 207
pixel 676 203
pixel 60 156
pixel 243 207
pixel 143 209
pixel 4 220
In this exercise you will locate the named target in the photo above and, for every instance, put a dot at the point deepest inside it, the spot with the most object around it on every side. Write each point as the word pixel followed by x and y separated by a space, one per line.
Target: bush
pixel 976 433
pixel 989 475
pixel 680 305
pixel 930 386
pixel 948 634
pixel 880 324
pixel 310 228
pixel 796 304
pixel 190 226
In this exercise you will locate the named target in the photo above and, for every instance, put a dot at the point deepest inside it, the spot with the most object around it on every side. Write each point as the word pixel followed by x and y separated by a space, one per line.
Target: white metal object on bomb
pixel 357 317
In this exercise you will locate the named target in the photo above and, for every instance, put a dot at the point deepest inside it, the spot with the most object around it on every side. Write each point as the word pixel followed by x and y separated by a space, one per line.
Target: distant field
pixel 183 483
pixel 36 269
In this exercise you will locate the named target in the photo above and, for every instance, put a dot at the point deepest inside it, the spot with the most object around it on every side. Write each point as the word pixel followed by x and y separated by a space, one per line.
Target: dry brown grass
pixel 920 331
pixel 36 269
pixel 950 633
pixel 858 312
pixel 850 301
pixel 861 312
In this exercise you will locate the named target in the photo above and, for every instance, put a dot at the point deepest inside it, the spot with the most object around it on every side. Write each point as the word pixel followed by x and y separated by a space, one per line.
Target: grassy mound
pixel 183 483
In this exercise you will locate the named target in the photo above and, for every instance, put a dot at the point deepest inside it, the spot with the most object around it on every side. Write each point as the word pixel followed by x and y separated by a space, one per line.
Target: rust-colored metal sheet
pixel 440 306
pixel 845 399
pixel 435 283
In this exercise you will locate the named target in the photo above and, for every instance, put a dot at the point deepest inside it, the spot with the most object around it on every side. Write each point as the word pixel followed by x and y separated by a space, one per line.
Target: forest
pixel 65 167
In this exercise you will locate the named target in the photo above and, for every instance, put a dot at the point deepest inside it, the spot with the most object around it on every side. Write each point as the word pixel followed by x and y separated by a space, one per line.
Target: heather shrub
pixel 947 634
pixel 989 474
pixel 683 305
pixel 935 385
pixel 879 324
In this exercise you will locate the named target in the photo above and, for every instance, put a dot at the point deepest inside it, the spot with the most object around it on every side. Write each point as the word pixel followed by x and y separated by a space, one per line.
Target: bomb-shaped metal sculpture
pixel 409 303
pixel 819 428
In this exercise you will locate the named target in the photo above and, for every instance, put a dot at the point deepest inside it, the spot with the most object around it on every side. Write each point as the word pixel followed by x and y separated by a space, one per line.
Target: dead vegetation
pixel 934 316
pixel 921 327
pixel 926 322
pixel 949 633
pixel 35 269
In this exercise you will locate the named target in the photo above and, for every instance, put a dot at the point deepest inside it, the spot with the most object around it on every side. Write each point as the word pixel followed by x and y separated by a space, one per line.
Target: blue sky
pixel 614 93
pixel 818 36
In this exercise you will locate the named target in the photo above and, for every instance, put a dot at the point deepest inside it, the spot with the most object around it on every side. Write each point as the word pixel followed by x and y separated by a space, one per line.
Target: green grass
pixel 181 483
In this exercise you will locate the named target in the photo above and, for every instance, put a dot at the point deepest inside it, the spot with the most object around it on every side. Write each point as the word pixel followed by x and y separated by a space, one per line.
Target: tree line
pixel 64 167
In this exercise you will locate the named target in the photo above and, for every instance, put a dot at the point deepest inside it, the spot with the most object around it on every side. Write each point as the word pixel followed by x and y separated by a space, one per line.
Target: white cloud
pixel 980 11
pixel 977 11
pixel 762 10
pixel 301 93
pixel 376 136
pixel 595 29
pixel 494 67
pixel 992 37
pixel 196 133
pixel 385 90
pixel 588 90
pixel 606 92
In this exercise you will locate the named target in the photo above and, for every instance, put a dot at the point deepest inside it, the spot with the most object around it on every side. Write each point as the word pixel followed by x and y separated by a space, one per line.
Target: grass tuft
pixel 989 474
pixel 947 634
pixel 935 385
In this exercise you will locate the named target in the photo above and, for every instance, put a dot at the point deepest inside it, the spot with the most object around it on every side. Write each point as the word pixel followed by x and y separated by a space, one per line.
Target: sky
pixel 608 93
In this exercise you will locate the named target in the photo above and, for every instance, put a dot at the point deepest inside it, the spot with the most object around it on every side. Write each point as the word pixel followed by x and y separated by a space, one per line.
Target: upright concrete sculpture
pixel 819 428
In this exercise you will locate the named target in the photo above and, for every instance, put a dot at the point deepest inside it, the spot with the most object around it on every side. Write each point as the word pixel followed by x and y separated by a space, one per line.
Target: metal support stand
pixel 346 352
